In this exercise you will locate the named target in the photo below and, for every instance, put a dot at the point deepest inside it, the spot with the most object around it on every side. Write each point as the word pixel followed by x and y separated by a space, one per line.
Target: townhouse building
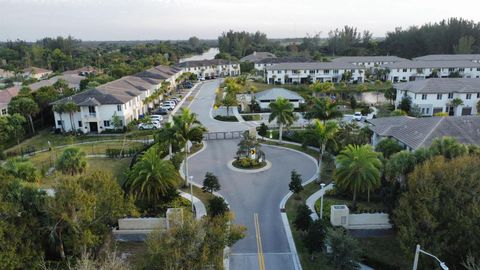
pixel 211 68
pixel 260 65
pixel 369 61
pixel 417 70
pixel 435 95
pixel 308 72
pixel 257 56
pixel 449 57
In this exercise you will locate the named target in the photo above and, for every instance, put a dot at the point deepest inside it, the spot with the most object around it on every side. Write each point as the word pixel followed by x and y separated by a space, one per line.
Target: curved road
pixel 249 194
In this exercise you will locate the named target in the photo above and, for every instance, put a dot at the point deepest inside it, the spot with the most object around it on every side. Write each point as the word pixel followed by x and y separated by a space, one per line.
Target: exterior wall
pixel 3 109
pixel 371 64
pixel 215 70
pixel 411 74
pixel 430 104
pixel 322 75
pixel 340 216
pixel 264 104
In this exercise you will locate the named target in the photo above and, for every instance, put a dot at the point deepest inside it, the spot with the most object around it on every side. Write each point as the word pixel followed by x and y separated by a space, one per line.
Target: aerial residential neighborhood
pixel 243 135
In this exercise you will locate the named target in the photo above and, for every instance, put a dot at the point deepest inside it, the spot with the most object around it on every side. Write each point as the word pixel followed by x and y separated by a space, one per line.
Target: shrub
pixel 230 118
pixel 177 160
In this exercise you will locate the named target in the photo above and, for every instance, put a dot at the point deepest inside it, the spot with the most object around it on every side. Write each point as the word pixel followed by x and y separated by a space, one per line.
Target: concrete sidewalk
pixel 314 197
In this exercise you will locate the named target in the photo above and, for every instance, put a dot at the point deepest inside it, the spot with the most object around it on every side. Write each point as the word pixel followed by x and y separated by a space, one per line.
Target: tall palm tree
pixel 323 134
pixel 455 103
pixel 167 135
pixel 72 161
pixel 323 109
pixel 282 111
pixel 186 127
pixel 358 169
pixel 70 108
pixel 58 108
pixel 152 178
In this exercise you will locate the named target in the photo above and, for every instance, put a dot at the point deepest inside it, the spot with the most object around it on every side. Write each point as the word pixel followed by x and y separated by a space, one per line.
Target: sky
pixel 179 19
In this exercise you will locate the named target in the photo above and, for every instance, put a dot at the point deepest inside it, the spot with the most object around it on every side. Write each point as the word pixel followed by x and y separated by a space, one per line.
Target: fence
pixel 223 135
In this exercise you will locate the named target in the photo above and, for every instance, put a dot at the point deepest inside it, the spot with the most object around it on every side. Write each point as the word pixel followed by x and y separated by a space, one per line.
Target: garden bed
pixel 252 117
pixel 248 164
pixel 223 118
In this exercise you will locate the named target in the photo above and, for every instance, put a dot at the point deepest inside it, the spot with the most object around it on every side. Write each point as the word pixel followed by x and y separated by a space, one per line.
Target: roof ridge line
pixel 431 131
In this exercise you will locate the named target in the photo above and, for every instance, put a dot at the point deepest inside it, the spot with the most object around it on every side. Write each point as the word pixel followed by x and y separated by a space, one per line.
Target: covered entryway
pixel 93 126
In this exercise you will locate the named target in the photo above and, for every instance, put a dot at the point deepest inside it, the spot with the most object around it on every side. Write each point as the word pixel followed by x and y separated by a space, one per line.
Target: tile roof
pixel 381 58
pixel 284 60
pixel 441 85
pixel 7 94
pixel 312 65
pixel 274 93
pixel 433 64
pixel 448 57
pixel 420 132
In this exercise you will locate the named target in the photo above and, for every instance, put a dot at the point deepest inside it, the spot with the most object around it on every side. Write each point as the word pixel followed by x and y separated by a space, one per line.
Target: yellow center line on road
pixel 261 258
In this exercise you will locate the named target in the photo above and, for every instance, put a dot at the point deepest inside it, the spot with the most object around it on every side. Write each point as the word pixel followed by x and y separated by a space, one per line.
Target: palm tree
pixel 152 178
pixel 72 161
pixel 323 134
pixel 70 107
pixel 186 128
pixel 58 108
pixel 323 109
pixel 167 135
pixel 358 169
pixel 455 103
pixel 282 111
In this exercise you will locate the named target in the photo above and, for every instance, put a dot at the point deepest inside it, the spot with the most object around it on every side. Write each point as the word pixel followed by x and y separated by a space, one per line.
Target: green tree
pixel 71 107
pixel 388 147
pixel 323 109
pixel 405 104
pixel 465 45
pixel 390 94
pixel 11 128
pixel 456 102
pixel 263 130
pixel 24 106
pixel 440 201
pixel 22 169
pixel 167 135
pixel 358 169
pixel 303 220
pixel 217 206
pixel 58 108
pixel 210 183
pixel 399 165
pixel 323 134
pixel 152 179
pixel 447 147
pixel 345 250
pixel 72 161
pixel 116 121
pixel 186 125
pixel 282 112
pixel 229 101
pixel 314 239
pixel 295 184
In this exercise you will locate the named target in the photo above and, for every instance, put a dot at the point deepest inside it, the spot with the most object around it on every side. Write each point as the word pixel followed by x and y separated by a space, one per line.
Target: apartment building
pixel 264 63
pixel 449 57
pixel 417 70
pixel 211 68
pixel 308 72
pixel 435 95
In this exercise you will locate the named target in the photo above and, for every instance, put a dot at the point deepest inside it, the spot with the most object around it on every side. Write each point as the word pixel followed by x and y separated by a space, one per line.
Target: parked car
pixel 176 99
pixel 168 107
pixel 161 111
pixel 169 103
pixel 357 116
pixel 148 126
pixel 156 117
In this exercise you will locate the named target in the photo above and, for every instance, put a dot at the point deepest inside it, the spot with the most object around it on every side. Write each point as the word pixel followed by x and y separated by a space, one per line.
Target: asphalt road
pixel 249 194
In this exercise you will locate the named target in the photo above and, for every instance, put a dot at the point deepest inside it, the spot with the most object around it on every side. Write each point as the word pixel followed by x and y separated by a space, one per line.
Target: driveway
pixel 254 198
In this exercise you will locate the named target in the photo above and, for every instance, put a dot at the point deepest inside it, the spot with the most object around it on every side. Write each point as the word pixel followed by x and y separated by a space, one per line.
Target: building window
pixel 424 96
pixel 451 69
pixel 79 124
pixel 469 96
pixel 312 71
pixel 478 69
pixel 461 69
pixel 335 71
pixel 450 95
pixel 119 108
pixel 326 71
pixel 4 111
pixel 439 96
pixel 404 70
pixel 59 123
pixel 478 95
pixel 91 109
pixel 106 123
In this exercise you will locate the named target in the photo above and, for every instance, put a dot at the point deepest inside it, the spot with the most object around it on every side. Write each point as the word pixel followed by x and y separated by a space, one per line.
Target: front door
pixel 93 126
pixel 450 110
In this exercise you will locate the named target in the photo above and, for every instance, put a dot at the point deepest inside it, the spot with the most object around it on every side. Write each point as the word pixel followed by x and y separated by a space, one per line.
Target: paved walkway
pixel 314 197
pixel 200 210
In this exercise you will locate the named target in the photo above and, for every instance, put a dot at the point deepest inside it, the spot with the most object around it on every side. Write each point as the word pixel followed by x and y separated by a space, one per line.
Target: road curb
pixel 233 168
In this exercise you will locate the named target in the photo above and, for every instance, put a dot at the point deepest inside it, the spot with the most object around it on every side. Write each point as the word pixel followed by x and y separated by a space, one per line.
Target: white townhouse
pixel 260 65
pixel 211 68
pixel 449 57
pixel 307 72
pixel 123 97
pixel 369 61
pixel 435 95
pixel 417 70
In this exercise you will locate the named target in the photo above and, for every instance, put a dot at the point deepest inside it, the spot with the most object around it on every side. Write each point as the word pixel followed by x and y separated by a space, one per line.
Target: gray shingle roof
pixel 96 97
pixel 441 85
pixel 284 60
pixel 433 64
pixel 381 58
pixel 448 57
pixel 257 56
pixel 203 63
pixel 274 93
pixel 420 132
pixel 312 65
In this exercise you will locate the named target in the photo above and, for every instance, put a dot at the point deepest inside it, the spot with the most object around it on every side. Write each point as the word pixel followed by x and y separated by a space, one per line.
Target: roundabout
pixel 265 167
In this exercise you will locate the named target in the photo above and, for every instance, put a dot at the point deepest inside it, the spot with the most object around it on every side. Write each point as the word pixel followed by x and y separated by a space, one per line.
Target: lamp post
pixel 322 185
pixel 191 191
pixel 418 251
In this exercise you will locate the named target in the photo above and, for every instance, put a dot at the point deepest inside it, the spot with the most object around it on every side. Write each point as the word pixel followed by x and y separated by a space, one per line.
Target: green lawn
pixel 384 253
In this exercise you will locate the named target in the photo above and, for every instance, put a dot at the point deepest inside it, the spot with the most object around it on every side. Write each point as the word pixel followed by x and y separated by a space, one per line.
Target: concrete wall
pixel 340 216
pixel 141 223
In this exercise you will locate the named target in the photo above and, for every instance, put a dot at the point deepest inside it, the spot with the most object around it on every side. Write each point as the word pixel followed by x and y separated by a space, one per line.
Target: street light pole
pixel 191 191
pixel 322 185
pixel 417 253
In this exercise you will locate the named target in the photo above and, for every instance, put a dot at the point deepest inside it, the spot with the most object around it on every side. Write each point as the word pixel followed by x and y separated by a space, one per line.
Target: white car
pixel 168 107
pixel 169 102
pixel 156 117
pixel 357 116
pixel 151 125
